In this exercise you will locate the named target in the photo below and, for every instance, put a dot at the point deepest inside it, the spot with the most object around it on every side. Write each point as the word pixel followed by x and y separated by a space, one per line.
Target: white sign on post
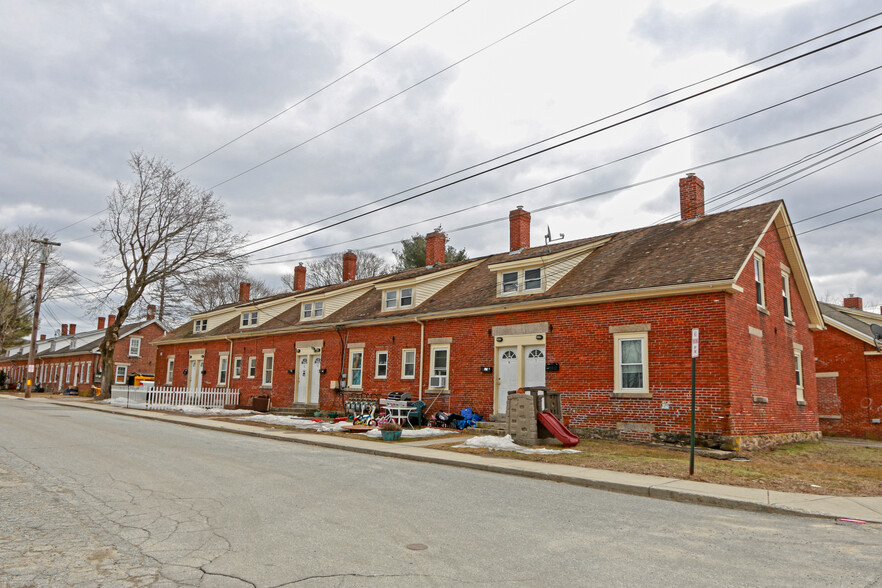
pixel 694 342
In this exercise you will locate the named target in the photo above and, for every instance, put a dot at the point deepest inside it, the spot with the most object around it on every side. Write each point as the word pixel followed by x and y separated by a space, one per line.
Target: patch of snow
pixel 292 421
pixel 506 444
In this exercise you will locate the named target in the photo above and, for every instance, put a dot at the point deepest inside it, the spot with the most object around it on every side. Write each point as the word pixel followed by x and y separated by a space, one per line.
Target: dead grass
pixel 812 468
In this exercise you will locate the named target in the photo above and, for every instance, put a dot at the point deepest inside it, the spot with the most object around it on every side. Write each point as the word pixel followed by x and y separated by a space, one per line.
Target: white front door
pixel 302 379
pixel 194 375
pixel 314 379
pixel 534 365
pixel 507 378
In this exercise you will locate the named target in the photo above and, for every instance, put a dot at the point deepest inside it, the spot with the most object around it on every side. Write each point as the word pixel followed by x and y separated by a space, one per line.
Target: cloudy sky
pixel 87 83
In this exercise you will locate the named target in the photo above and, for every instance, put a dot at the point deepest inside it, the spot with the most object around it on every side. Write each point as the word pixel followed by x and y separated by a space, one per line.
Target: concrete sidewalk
pixel 868 509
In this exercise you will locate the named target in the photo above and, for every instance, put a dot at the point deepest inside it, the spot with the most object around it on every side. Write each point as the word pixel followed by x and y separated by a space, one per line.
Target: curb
pixel 651 491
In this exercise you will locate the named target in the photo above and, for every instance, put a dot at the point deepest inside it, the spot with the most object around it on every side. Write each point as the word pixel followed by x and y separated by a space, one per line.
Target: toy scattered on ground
pixel 534 414
pixel 466 418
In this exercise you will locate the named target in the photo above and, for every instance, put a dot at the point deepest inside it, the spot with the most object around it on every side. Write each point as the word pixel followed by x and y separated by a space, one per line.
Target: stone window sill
pixel 762 309
pixel 789 321
pixel 630 395
pixel 760 400
pixel 800 402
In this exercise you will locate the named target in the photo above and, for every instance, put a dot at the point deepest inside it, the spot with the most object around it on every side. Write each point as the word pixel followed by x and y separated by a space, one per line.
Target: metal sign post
pixel 692 425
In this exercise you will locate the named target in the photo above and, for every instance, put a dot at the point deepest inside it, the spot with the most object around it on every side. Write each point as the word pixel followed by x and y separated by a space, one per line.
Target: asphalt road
pixel 88 498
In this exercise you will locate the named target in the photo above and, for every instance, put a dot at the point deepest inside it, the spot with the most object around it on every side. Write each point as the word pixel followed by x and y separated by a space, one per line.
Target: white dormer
pixel 534 275
pixel 410 293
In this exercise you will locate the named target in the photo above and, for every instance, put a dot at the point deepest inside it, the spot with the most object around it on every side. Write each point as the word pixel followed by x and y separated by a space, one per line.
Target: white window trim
pixel 800 383
pixel 643 392
pixel 352 354
pixel 396 302
pixel 132 341
pixel 788 305
pixel 252 367
pixel 432 350
pixel 521 283
pixel 264 380
pixel 169 370
pixel 377 364
pixel 237 367
pixel 223 369
pixel 404 363
pixel 310 311
pixel 116 368
pixel 759 280
pixel 200 325
pixel 248 319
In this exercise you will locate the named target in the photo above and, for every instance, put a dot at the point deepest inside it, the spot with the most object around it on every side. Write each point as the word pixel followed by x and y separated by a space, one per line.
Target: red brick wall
pixel 764 367
pixel 855 393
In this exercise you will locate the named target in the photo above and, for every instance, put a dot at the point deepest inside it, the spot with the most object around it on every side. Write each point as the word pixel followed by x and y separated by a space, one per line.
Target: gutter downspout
pixel 422 344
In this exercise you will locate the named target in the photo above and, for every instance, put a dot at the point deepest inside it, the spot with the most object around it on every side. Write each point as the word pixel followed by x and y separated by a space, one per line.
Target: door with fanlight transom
pixel 518 366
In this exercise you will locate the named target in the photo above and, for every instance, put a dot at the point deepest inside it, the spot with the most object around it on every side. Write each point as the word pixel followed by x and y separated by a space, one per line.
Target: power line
pixel 563 143
pixel 392 97
pixel 561 134
pixel 325 87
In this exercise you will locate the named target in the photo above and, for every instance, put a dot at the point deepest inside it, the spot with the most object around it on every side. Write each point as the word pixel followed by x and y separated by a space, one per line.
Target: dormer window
pixel 313 310
pixel 249 319
pixel 200 325
pixel 401 298
pixel 526 280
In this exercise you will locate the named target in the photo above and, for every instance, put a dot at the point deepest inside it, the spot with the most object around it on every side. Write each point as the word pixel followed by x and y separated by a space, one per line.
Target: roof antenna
pixel 548 238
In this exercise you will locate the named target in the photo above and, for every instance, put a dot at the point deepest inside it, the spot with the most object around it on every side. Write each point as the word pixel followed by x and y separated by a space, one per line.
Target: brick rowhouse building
pixel 71 361
pixel 849 371
pixel 605 320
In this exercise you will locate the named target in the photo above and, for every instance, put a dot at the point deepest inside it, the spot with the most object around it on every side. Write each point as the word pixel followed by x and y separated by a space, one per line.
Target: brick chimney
pixel 244 291
pixel 64 330
pixel 299 278
pixel 151 312
pixel 100 323
pixel 42 337
pixel 691 197
pixel 72 329
pixel 111 318
pixel 853 301
pixel 435 246
pixel 518 229
pixel 349 262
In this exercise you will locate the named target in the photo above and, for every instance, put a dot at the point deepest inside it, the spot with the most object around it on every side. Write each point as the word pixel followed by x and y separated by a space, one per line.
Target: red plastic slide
pixel 557 428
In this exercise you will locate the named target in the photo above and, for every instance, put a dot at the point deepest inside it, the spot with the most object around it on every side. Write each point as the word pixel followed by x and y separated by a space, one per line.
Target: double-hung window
pixel 200 325
pixel 249 319
pixel 135 347
pixel 402 298
pixel 223 365
pixel 408 364
pixel 800 387
pixel 267 369
pixel 170 370
pixel 120 374
pixel 313 310
pixel 382 367
pixel 526 280
pixel 631 365
pixel 237 367
pixel 440 367
pixel 785 277
pixel 759 281
pixel 356 367
pixel 252 367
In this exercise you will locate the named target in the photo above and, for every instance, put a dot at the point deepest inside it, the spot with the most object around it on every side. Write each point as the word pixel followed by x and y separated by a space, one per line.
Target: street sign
pixel 694 342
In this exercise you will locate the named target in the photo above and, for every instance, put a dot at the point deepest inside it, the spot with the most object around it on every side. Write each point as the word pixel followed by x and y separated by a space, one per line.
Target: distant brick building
pixel 849 371
pixel 71 361
pixel 605 320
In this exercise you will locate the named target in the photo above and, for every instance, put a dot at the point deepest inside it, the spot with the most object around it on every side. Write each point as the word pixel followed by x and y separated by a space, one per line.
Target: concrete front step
pixel 302 410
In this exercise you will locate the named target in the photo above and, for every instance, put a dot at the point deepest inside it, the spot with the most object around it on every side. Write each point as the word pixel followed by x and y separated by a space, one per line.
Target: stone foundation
pixel 709 440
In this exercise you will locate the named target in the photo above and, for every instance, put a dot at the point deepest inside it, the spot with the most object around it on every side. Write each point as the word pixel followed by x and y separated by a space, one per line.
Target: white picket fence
pixel 160 398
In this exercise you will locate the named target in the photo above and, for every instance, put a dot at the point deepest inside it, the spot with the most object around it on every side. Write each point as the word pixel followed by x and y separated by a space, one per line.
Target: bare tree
pixel 19 268
pixel 158 227
pixel 329 270
pixel 220 286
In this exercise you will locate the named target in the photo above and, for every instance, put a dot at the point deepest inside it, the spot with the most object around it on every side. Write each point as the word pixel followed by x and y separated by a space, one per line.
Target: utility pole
pixel 32 368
